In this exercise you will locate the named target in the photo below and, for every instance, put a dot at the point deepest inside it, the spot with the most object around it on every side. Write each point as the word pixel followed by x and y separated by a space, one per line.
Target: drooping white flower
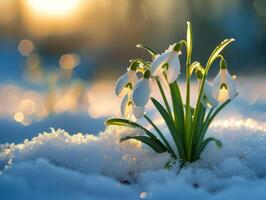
pixel 141 92
pixel 128 109
pixel 126 80
pixel 224 86
pixel 207 98
pixel 138 112
pixel 169 57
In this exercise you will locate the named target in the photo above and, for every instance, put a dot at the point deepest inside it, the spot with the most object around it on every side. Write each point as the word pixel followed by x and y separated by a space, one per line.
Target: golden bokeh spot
pixel 27 106
pixel 69 61
pixel 19 117
pixel 25 47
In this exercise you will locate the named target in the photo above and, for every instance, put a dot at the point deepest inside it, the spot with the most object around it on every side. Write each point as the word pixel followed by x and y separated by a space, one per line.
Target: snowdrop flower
pixel 127 80
pixel 224 86
pixel 169 57
pixel 141 91
pixel 128 109
pixel 207 98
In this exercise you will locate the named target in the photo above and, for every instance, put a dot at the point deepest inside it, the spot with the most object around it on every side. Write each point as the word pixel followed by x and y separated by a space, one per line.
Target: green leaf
pixel 218 143
pixel 203 145
pixel 192 109
pixel 163 95
pixel 171 126
pixel 189 40
pixel 158 148
pixel 161 136
pixel 210 118
pixel 178 110
pixel 152 52
pixel 198 124
pixel 128 123
pixel 217 51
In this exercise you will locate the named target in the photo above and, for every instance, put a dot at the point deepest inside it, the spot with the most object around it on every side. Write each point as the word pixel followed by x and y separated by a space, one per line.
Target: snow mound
pixel 89 154
pixel 57 165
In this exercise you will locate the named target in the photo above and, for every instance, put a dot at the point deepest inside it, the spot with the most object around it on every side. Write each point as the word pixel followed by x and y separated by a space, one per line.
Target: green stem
pixel 163 96
pixel 161 136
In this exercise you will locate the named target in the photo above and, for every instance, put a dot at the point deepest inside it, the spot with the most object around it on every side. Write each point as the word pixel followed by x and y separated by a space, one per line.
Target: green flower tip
pixel 223 64
pixel 147 74
pixel 178 47
pixel 199 74
pixel 134 65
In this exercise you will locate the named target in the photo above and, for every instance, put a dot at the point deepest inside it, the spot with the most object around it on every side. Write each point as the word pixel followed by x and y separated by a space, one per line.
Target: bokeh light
pixel 25 47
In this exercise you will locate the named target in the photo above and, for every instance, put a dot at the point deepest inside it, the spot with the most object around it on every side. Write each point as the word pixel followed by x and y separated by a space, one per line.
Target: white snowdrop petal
pixel 138 112
pixel 159 61
pixel 221 93
pixel 173 67
pixel 132 77
pixel 208 100
pixel 120 84
pixel 216 85
pixel 231 85
pixel 163 81
pixel 141 92
pixel 123 106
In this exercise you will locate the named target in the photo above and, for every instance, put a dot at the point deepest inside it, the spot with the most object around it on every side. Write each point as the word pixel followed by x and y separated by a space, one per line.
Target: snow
pixel 58 165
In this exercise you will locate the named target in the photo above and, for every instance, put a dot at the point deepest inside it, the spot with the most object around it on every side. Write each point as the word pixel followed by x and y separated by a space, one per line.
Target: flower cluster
pixel 187 123
pixel 136 92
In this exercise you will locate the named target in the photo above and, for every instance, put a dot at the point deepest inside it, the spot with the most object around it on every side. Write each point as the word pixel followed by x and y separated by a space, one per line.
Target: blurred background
pixel 59 58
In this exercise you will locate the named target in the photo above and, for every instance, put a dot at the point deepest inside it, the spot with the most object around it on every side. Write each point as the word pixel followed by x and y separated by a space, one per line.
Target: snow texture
pixel 57 165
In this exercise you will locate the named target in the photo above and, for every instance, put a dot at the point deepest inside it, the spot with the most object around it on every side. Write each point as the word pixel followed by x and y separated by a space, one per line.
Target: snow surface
pixel 57 165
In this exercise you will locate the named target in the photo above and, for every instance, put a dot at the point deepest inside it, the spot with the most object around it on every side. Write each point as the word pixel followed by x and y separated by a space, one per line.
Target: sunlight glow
pixel 235 124
pixel 54 8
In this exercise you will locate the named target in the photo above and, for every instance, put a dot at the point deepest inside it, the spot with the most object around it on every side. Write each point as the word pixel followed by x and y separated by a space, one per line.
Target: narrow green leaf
pixel 218 143
pixel 191 108
pixel 203 145
pixel 211 118
pixel 178 110
pixel 197 129
pixel 158 148
pixel 217 51
pixel 189 40
pixel 163 95
pixel 128 123
pixel 171 126
pixel 161 136
pixel 152 52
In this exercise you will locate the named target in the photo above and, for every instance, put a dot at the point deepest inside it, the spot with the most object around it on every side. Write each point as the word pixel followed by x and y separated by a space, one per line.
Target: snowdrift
pixel 57 165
